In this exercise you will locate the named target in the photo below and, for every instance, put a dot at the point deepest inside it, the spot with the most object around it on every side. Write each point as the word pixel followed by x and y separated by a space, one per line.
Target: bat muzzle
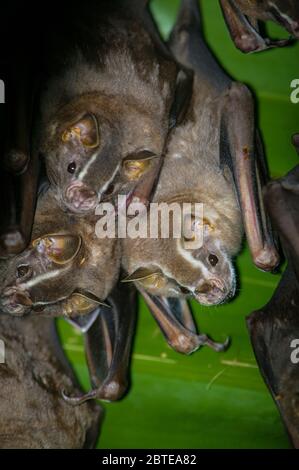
pixel 79 198
pixel 212 292
pixel 15 301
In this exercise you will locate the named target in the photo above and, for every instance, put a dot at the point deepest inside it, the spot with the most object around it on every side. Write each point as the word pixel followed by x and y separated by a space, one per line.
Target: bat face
pixel 38 275
pixel 64 263
pixel 93 155
pixel 172 268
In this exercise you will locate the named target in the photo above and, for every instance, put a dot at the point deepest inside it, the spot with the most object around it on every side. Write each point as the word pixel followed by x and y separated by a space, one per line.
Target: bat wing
pixel 274 329
pixel 108 346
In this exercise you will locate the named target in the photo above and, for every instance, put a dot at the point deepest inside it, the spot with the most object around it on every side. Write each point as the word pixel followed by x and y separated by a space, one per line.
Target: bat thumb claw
pixel 221 347
pixel 218 347
pixel 76 401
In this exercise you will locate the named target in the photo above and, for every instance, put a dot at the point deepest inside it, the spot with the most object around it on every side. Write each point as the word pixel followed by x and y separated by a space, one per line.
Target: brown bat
pixel 19 166
pixel 66 270
pixel 33 414
pixel 274 329
pixel 112 92
pixel 214 158
pixel 243 16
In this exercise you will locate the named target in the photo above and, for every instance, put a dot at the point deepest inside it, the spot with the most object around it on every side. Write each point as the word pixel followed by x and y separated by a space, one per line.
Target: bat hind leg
pixel 245 31
pixel 176 322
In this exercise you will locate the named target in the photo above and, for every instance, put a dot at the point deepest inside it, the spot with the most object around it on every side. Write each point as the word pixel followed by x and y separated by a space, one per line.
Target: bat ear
pixel 85 131
pixel 148 277
pixel 182 97
pixel 143 273
pixel 60 249
pixel 186 36
pixel 81 304
pixel 135 165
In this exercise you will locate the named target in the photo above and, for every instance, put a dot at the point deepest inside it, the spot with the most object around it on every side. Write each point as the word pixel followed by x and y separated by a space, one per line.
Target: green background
pixel 210 400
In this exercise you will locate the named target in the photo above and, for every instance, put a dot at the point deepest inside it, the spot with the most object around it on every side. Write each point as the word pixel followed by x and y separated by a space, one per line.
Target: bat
pixel 243 16
pixel 214 158
pixel 33 413
pixel 274 329
pixel 66 270
pixel 112 93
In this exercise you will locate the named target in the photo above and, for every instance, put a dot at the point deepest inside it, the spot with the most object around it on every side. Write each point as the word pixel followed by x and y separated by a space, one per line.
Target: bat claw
pixel 112 390
pixel 218 347
pixel 76 401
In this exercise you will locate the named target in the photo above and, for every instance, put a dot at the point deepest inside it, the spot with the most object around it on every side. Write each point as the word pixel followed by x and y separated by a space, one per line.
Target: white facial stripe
pixel 42 277
pixel 106 185
pixel 196 263
pixel 283 15
pixel 86 167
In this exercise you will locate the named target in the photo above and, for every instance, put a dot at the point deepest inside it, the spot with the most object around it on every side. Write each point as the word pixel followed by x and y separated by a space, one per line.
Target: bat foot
pixel 249 44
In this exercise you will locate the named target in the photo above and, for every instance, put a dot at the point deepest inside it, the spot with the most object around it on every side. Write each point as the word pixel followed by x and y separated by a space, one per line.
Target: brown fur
pixel 33 414
pixel 109 64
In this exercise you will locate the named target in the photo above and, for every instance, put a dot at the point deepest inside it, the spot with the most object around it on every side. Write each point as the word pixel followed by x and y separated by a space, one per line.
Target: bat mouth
pixel 15 301
pixel 213 292
pixel 80 199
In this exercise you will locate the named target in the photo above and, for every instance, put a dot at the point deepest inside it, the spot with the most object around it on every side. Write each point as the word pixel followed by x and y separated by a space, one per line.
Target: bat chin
pixel 217 295
pixel 210 299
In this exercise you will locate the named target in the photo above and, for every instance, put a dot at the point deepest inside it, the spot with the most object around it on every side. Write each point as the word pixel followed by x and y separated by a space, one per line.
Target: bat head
pixel 92 155
pixel 65 260
pixel 39 275
pixel 176 267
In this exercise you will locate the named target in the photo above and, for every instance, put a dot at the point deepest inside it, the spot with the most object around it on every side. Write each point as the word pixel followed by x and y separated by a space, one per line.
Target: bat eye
pixel 72 167
pixel 213 260
pixel 23 270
